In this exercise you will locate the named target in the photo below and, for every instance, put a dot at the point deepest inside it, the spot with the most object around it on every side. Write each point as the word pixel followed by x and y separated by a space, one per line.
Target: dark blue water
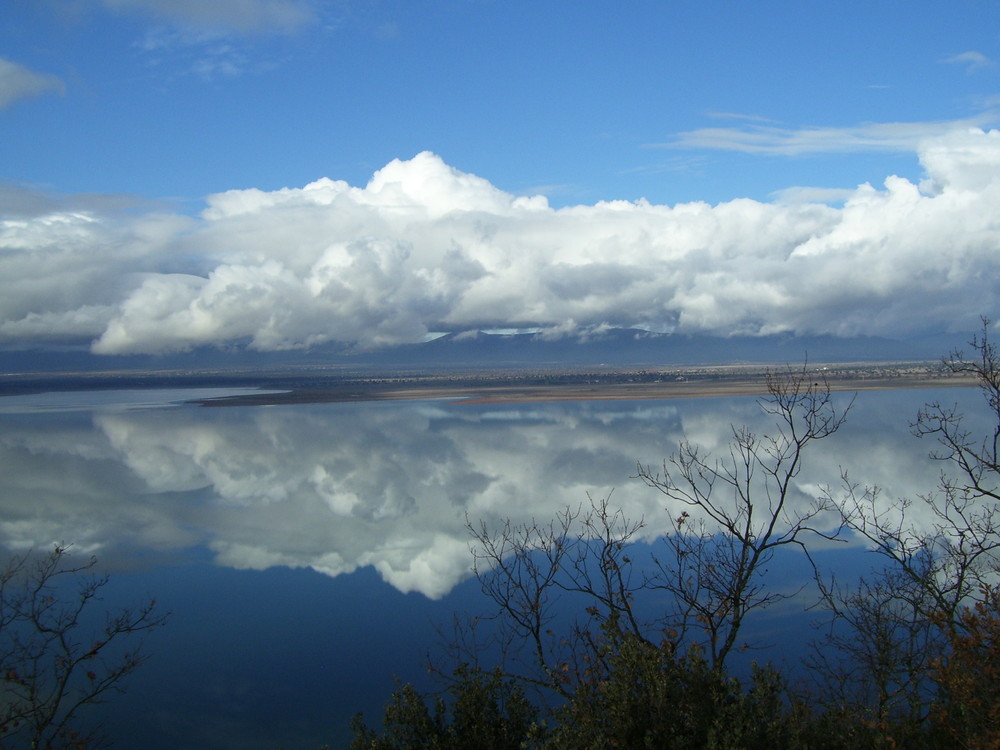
pixel 309 554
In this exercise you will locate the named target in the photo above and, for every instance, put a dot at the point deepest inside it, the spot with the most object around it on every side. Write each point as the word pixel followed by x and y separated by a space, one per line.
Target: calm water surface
pixel 308 552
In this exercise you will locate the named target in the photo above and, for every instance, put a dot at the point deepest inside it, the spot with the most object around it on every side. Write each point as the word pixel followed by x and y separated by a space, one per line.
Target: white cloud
pixel 427 248
pixel 65 270
pixel 963 161
pixel 18 82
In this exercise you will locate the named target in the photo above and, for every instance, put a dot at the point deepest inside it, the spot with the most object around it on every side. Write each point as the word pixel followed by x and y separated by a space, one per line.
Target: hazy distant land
pixel 644 384
pixel 317 385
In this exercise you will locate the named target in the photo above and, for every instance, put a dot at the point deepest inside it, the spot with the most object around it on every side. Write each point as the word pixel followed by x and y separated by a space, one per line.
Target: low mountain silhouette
pixel 613 348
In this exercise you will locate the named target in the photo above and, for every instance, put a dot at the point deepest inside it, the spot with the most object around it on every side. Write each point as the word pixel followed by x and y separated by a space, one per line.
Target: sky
pixel 284 174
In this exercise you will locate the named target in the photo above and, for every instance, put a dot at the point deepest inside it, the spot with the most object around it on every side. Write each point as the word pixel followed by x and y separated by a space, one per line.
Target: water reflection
pixel 336 487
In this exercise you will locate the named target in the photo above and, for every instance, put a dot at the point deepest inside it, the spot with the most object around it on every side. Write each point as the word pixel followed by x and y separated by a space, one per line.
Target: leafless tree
pixel 876 650
pixel 52 664
pixel 727 518
pixel 527 570
pixel 729 515
pixel 938 552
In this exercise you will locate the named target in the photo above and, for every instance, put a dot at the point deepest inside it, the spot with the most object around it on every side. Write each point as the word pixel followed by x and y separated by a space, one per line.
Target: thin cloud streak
pixel 889 137
pixel 973 61
pixel 740 116
pixel 807 194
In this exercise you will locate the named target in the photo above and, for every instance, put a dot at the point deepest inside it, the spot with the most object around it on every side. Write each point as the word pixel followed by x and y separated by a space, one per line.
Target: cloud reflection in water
pixel 335 487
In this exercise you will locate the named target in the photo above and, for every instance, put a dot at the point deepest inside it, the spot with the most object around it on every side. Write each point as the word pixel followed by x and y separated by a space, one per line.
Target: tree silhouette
pixel 51 664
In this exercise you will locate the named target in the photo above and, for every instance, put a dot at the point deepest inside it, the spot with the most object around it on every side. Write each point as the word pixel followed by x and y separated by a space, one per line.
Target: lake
pixel 308 553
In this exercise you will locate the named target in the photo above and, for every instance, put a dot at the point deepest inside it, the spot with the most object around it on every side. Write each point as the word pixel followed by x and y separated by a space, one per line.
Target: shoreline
pixel 494 392
pixel 298 386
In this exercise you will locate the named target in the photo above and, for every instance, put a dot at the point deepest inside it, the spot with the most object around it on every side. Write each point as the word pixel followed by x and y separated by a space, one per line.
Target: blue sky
pixel 583 101
pixel 120 119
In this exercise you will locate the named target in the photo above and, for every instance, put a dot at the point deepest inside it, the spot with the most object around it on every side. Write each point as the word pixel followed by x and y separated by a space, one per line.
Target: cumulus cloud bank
pixel 426 248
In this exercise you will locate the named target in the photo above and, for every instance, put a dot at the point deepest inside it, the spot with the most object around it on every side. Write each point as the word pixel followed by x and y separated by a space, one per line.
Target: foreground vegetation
pixel 60 650
pixel 910 657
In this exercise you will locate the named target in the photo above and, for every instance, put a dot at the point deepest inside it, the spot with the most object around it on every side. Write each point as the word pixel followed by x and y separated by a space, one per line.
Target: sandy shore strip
pixel 493 392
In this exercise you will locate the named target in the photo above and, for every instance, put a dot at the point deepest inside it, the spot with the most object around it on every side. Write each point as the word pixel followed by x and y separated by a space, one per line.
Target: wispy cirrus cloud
pixel 208 55
pixel 972 61
pixel 19 82
pixel 210 39
pixel 777 140
pixel 740 116
pixel 240 16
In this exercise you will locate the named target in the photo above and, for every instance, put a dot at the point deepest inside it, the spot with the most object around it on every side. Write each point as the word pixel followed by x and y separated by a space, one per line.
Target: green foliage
pixel 634 694
pixel 486 711
pixel 645 698
pixel 639 696
pixel 967 713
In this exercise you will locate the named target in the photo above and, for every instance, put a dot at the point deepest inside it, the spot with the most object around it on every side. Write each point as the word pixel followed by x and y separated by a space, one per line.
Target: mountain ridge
pixel 612 348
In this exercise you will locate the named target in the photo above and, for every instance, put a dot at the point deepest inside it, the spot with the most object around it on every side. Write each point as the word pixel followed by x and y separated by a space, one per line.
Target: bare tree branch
pixel 729 515
pixel 50 665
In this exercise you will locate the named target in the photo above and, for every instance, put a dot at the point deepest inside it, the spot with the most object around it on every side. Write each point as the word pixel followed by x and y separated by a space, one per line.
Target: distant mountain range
pixel 626 348
pixel 477 350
